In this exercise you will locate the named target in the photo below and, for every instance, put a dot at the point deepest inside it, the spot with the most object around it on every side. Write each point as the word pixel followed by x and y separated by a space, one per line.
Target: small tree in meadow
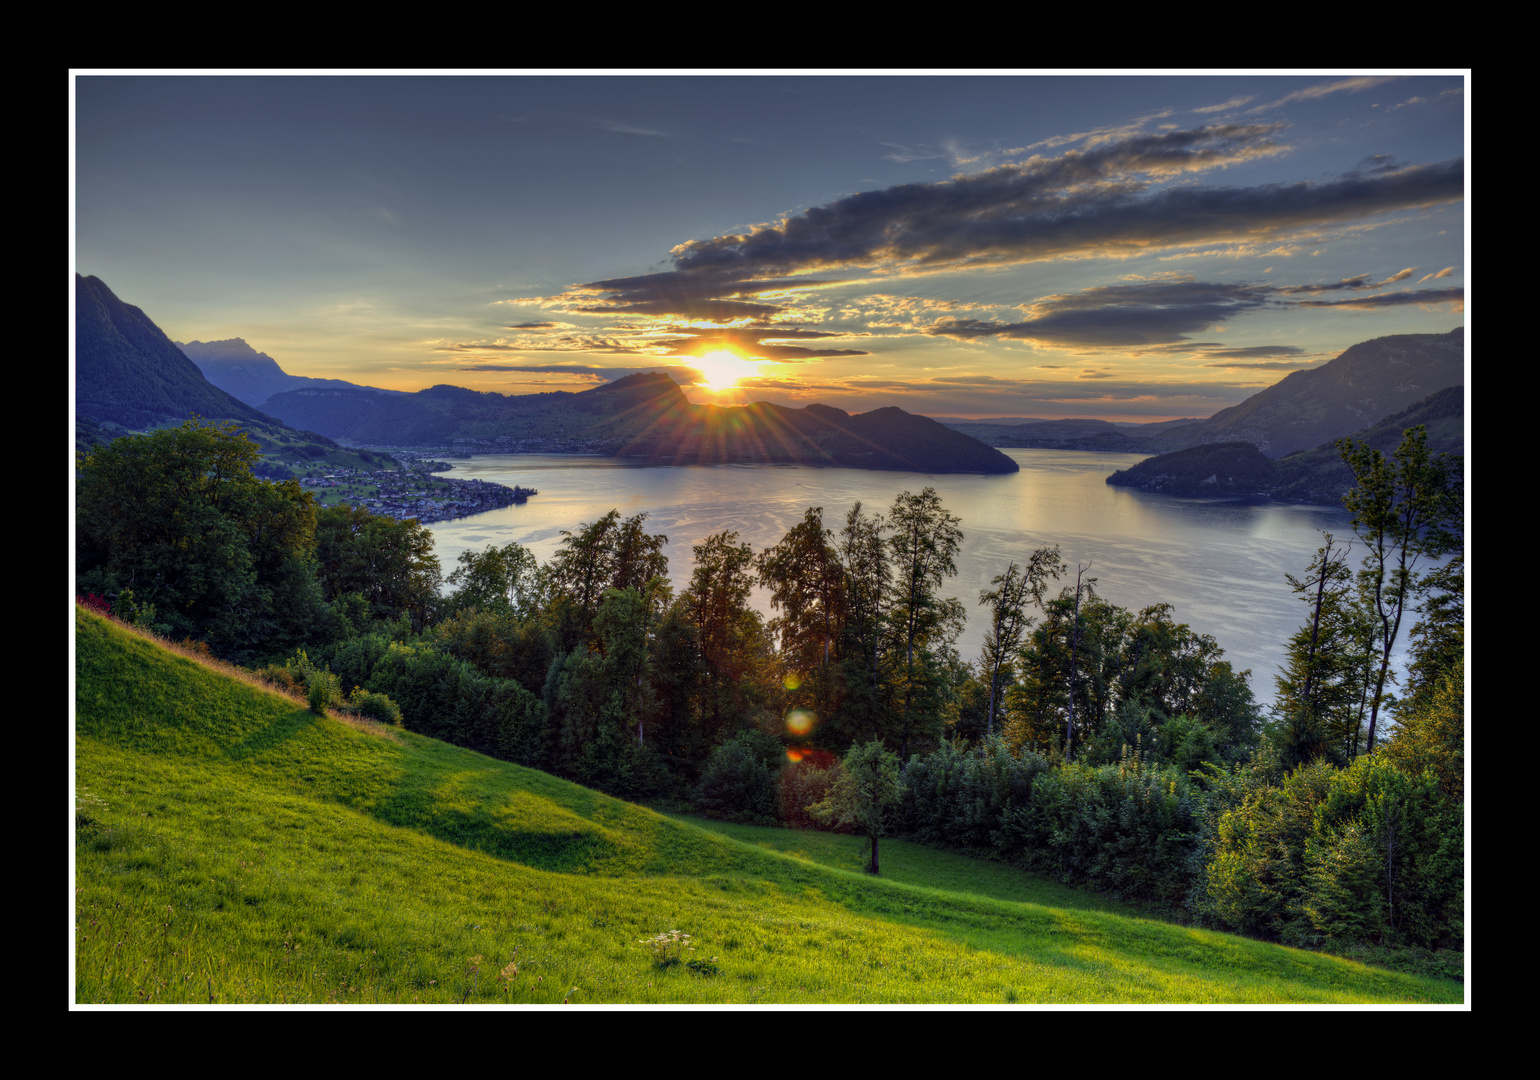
pixel 865 795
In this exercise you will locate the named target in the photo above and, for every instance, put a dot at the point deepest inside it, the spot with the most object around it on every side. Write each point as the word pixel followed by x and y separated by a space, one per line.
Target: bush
pixel 800 785
pixel 323 690
pixel 95 603
pixel 971 798
pixel 1128 829
pixel 736 784
pixel 375 706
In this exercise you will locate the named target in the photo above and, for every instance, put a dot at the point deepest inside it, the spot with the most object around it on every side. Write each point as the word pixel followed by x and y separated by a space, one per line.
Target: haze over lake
pixel 1219 562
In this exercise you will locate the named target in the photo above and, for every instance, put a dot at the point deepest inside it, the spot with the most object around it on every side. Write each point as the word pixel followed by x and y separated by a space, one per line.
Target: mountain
pixel 130 377
pixel 644 416
pixel 1368 381
pixel 1317 475
pixel 1120 436
pixel 250 376
pixel 128 374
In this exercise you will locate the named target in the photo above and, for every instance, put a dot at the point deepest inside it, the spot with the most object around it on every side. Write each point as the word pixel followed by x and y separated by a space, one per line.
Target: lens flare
pixel 792 681
pixel 800 722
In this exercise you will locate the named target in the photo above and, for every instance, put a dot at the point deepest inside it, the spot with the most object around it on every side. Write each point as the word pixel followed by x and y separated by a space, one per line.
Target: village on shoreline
pixel 412 491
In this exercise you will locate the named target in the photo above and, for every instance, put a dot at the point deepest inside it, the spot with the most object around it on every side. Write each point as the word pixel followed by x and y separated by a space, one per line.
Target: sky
pixel 1115 245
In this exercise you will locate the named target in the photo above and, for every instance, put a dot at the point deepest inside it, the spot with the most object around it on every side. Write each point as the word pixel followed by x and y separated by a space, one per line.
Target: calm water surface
pixel 1218 562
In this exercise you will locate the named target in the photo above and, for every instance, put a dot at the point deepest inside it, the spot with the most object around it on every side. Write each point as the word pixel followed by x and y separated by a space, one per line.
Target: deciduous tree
pixel 865 796
pixel 1403 511
pixel 389 563
pixel 1008 617
pixel 178 518
pixel 923 546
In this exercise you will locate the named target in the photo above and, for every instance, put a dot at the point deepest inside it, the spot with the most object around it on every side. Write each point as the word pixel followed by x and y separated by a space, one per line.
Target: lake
pixel 1219 562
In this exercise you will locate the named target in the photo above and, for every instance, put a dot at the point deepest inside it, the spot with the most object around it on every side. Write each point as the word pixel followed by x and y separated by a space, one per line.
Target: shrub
pixel 800 785
pixel 375 706
pixel 970 798
pixel 323 690
pixel 95 603
pixel 736 784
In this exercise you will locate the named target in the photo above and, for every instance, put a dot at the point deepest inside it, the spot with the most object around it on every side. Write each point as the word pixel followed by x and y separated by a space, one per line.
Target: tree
pixel 593 694
pixel 923 545
pixel 807 585
pixel 1438 636
pixel 500 578
pixel 863 556
pixel 1076 636
pixel 1008 617
pixel 864 797
pixel 728 632
pixel 178 518
pixel 1430 737
pixel 1318 693
pixel 1403 511
pixel 606 554
pixel 389 563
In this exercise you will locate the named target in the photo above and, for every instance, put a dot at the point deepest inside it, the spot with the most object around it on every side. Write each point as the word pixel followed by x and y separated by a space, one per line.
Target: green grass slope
pixel 231 848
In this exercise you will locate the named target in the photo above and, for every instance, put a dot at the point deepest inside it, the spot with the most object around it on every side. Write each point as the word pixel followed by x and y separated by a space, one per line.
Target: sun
pixel 722 370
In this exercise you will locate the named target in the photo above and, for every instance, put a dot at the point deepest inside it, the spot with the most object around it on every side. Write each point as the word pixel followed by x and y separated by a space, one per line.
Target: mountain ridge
pixel 251 376
pixel 1365 383
pixel 643 416
pixel 130 377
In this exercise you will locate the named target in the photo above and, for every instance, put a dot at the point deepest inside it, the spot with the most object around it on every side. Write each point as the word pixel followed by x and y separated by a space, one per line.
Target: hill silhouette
pixel 642 416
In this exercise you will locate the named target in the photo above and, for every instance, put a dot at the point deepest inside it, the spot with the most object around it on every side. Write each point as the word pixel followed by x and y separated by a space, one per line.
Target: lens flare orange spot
pixel 800 721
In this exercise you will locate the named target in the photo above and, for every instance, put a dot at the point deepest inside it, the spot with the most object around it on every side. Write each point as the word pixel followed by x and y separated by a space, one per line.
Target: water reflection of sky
pixel 1220 563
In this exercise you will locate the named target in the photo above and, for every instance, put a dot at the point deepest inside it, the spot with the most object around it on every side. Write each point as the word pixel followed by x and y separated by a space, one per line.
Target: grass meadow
pixel 233 848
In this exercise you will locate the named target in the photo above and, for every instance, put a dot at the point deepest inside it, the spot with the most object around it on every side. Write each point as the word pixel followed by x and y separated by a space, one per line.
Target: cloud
pixel 1041 208
pixel 1113 316
pixel 1115 199
pixel 548 369
pixel 1338 86
pixel 1400 275
pixel 1250 352
pixel 1149 314
pixel 1383 300
pixel 629 129
pixel 1359 281
pixel 752 341
pixel 546 343
pixel 1445 272
pixel 705 294
pixel 1233 103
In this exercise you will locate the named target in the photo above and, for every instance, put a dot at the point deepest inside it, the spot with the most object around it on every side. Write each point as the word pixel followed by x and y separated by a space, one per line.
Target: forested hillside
pixel 1367 381
pixel 1113 748
pixel 1320 475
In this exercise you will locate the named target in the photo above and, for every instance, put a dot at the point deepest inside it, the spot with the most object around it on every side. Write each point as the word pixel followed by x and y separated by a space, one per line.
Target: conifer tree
pixel 1317 689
